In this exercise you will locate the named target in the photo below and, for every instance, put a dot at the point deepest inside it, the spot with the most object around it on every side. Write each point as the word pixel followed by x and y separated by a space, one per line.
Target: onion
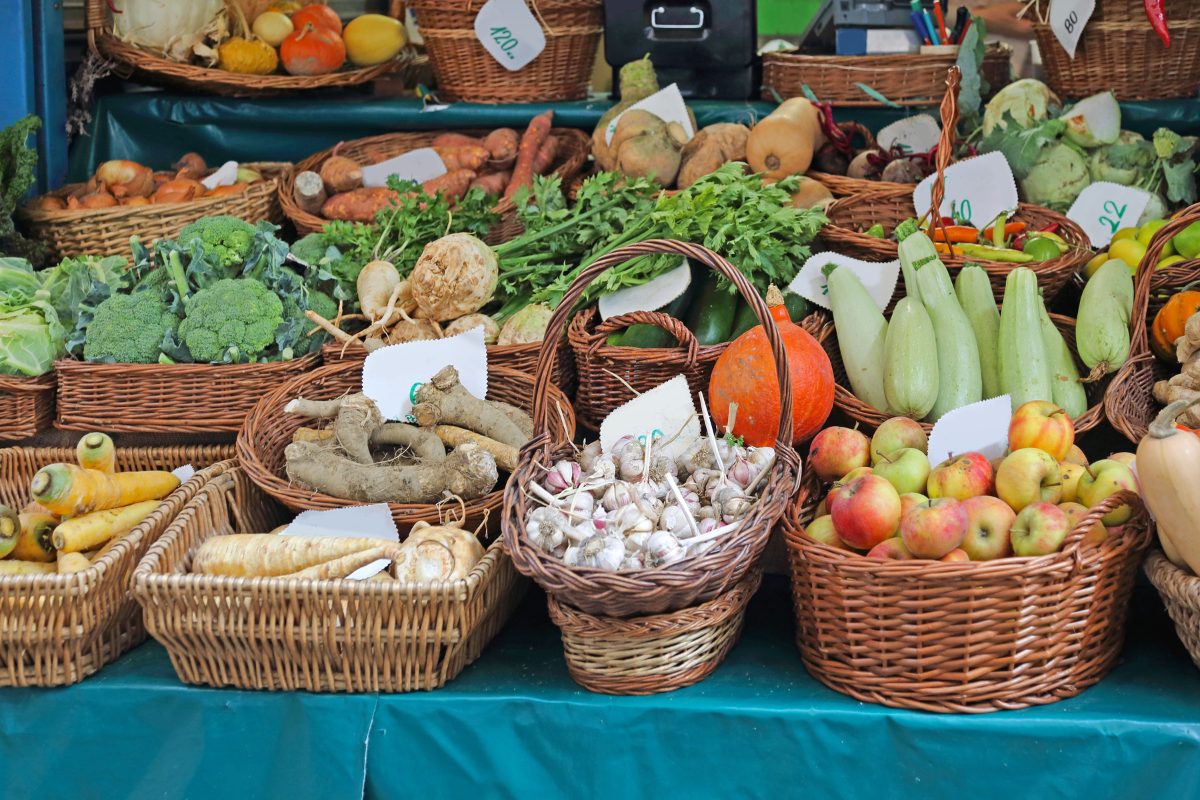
pixel 247 175
pixel 192 162
pixel 455 275
pixel 49 202
pixel 99 199
pixel 222 191
pixel 180 190
pixel 126 178
pixel 162 176
pixel 135 201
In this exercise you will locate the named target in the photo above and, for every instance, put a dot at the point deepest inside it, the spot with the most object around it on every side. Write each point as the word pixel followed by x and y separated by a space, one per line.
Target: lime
pixel 1125 233
pixel 1042 249
pixel 1147 231
pixel 876 231
pixel 1128 250
pixel 1187 241
pixel 1095 264
pixel 1168 261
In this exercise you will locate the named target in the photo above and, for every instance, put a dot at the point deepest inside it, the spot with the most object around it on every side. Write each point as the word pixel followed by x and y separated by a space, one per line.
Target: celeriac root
pixel 443 400
pixel 505 454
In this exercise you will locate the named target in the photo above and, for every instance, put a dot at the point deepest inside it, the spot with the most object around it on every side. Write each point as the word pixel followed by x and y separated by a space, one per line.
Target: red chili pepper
pixel 1019 242
pixel 1049 229
pixel 949 221
pixel 1158 20
pixel 116 10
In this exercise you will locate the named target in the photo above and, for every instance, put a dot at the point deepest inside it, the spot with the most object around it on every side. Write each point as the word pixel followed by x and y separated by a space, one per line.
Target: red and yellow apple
pixel 823 531
pixel 836 451
pixel 837 485
pixel 1029 475
pixel 933 529
pixel 821 511
pixel 1071 473
pixel 910 499
pixel 1076 456
pixel 989 520
pixel 1039 530
pixel 1096 532
pixel 1128 459
pixel 955 555
pixel 1102 480
pixel 892 549
pixel 866 511
pixel 962 476
pixel 895 434
pixel 1043 425
pixel 906 469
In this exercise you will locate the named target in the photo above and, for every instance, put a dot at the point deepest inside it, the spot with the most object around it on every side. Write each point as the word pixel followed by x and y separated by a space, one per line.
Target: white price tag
pixel 507 29
pixel 392 374
pixel 978 428
pixel 1067 18
pixel 226 175
pixel 353 522
pixel 649 296
pixel 184 473
pixel 977 189
pixel 666 104
pixel 663 411
pixel 1104 208
pixel 879 278
pixel 914 135
pixel 419 165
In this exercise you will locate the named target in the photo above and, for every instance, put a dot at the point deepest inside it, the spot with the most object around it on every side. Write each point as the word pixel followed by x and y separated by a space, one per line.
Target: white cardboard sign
pixel 226 175
pixel 419 165
pixel 392 374
pixel 978 428
pixel 509 32
pixel 184 473
pixel 662 411
pixel 878 278
pixel 666 104
pixel 1104 208
pixel 979 189
pixel 915 134
pixel 649 296
pixel 1067 18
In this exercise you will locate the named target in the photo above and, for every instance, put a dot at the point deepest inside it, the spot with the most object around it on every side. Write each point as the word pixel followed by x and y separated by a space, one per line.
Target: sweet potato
pixel 453 184
pixel 360 205
pixel 546 155
pixel 502 143
pixel 456 158
pixel 492 184
pixel 531 144
pixel 456 140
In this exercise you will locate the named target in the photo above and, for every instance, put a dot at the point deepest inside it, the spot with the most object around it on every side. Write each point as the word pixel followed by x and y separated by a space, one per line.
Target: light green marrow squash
pixel 910 372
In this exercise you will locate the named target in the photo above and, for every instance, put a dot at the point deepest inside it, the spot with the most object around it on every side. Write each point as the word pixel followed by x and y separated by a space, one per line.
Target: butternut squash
pixel 783 143
pixel 1168 470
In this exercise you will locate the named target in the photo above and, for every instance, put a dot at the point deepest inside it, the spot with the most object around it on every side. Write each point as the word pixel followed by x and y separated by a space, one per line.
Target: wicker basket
pixel 683 583
pixel 106 231
pixel 963 637
pixel 851 216
pixel 574 147
pixel 654 654
pixel 26 405
pixel 466 71
pixel 1180 593
pixel 59 629
pixel 316 636
pixel 1119 51
pixel 906 80
pixel 869 419
pixel 268 431
pixel 165 398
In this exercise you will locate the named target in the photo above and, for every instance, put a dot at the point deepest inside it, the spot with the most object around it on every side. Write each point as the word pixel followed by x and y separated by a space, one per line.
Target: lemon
pixel 1168 261
pixel 1128 250
pixel 1147 231
pixel 1095 264
pixel 1187 241
pixel 1125 233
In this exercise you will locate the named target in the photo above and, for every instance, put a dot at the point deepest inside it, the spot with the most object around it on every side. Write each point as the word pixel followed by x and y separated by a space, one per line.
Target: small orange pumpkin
pixel 1169 322
pixel 321 16
pixel 312 51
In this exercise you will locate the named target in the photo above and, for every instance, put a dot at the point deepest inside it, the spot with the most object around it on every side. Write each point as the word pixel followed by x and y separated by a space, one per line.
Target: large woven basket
pixel 574 147
pixel 154 68
pixel 869 419
pixel 683 583
pixel 906 80
pixel 268 431
pixel 963 637
pixel 106 231
pixel 26 405
pixel 1180 593
pixel 166 398
pixel 466 71
pixel 59 629
pixel 1119 51
pixel 652 654
pixel 850 217
pixel 317 636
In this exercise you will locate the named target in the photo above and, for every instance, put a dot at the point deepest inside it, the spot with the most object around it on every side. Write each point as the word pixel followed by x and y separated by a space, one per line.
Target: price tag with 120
pixel 508 31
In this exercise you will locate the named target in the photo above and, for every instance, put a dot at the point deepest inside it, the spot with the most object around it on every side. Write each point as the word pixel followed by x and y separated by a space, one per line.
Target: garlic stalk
pixel 679 496
pixel 711 436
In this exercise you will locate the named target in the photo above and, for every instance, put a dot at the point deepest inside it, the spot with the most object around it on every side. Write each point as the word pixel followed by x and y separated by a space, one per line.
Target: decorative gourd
pixel 1168 470
pixel 745 374
pixel 247 56
pixel 783 143
pixel 289 7
pixel 273 27
pixel 1169 322
pixel 312 51
pixel 321 16
pixel 372 39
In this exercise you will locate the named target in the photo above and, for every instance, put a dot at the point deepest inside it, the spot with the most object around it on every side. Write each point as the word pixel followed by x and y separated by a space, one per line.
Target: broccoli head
pixel 238 313
pixel 228 238
pixel 128 329
pixel 312 248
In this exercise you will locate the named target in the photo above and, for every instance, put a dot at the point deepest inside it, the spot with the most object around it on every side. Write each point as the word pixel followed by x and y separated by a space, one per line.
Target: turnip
pixel 902 171
pixel 526 326
pixel 1094 121
pixel 455 275
pixel 1056 178
pixel 861 167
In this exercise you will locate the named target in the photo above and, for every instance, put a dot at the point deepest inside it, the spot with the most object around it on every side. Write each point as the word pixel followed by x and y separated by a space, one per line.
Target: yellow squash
pixel 248 56
pixel 1168 469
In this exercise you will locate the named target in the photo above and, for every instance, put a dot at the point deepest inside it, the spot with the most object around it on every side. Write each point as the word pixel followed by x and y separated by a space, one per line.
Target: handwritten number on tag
pixel 1111 208
pixel 1070 22
pixel 505 39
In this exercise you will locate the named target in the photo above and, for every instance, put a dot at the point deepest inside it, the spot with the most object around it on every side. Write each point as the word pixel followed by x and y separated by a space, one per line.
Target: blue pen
pixel 933 31
pixel 919 24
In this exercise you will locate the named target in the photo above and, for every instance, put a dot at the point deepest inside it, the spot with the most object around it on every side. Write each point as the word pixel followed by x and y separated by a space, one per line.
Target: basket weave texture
pixel 1180 593
pixel 59 629
pixel 316 636
pixel 683 583
pixel 967 637
pixel 106 231
pixel 653 654
pixel 466 71
pixel 268 431
pixel 26 405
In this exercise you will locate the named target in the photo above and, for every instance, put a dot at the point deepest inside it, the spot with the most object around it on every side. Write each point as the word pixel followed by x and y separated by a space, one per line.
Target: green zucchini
pixel 712 312
pixel 960 382
pixel 1102 330
pixel 644 335
pixel 796 305
pixel 974 292
pixel 914 246
pixel 614 338
pixel 1024 364
pixel 1068 392
pixel 910 371
pixel 744 320
pixel 862 334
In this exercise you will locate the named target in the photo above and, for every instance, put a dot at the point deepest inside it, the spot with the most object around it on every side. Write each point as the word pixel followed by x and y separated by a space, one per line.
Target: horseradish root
pixel 505 454
pixel 444 401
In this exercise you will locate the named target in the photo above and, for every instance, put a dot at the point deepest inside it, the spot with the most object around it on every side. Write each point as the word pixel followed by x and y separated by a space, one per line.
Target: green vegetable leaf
pixel 17 165
pixel 1021 146
pixel 974 87
pixel 1181 181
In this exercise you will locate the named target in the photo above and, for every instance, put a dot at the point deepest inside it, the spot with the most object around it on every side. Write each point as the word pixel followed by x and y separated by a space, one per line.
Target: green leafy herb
pixel 1175 170
pixel 974 87
pixel 735 441
pixel 17 165
pixel 1021 146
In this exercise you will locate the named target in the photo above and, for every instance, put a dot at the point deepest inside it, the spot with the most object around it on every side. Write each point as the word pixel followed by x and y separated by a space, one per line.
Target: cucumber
pixel 711 316
pixel 1068 392
pixel 862 334
pixel 959 380
pixel 744 320
pixel 652 335
pixel 979 304
pixel 1024 365
pixel 615 338
pixel 1102 330
pixel 910 371
pixel 796 305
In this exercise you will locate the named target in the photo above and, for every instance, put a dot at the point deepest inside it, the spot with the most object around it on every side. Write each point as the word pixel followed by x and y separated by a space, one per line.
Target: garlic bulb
pixel 727 452
pixel 602 551
pixel 650 505
pixel 697 456
pixel 632 561
pixel 735 509
pixel 562 476
pixel 590 456
pixel 663 548
pixel 674 519
pixel 691 501
pixel 571 556
pixel 707 525
pixel 618 495
pixel 627 520
pixel 700 548
pixel 636 542
pixel 706 513
pixel 661 466
pixel 631 466
pixel 546 528
pixel 599 518
pixel 619 447
pixel 739 472
pixel 579 503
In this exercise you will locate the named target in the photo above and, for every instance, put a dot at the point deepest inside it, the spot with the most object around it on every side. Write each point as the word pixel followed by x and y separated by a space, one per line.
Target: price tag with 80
pixel 508 31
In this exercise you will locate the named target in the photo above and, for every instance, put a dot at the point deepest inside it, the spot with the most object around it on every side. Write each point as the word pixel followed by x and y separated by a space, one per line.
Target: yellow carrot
pixel 72 562
pixel 97 451
pixel 10 567
pixel 249 555
pixel 96 528
pixel 71 491
pixel 34 543
pixel 10 530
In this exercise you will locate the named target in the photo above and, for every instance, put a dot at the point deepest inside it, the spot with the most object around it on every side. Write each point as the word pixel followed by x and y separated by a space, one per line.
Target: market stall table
pixel 515 725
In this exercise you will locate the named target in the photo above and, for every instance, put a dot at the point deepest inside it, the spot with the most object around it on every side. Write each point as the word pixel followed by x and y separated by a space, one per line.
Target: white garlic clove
pixel 664 548
pixel 616 496
pixel 632 562
pixel 591 455
pixel 636 542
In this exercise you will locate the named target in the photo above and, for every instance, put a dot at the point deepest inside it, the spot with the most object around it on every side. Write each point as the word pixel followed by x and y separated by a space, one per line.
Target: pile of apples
pixel 888 502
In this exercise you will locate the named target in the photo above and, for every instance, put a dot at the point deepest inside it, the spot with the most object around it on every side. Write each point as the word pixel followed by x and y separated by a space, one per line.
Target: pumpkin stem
pixel 1164 424
pixel 308 26
pixel 774 296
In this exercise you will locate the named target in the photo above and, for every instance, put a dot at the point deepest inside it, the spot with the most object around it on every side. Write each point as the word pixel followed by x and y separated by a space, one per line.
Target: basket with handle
pixel 268 431
pixel 966 637
pixel 1180 593
pixel 26 405
pixel 339 635
pixel 106 231
pixel 59 629
pixel 680 584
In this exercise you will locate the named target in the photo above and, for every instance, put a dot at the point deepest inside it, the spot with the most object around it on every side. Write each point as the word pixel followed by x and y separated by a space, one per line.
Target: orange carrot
pixel 545 156
pixel 535 136
pixel 70 490
pixel 502 143
pixel 494 183
pixel 453 184
pixel 462 157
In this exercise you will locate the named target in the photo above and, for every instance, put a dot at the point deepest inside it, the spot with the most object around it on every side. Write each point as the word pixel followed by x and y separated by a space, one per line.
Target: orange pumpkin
pixel 745 374
pixel 312 51
pixel 321 16
pixel 1169 322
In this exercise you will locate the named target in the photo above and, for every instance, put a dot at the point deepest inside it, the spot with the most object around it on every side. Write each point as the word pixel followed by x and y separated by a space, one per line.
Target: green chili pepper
pixel 995 253
pixel 998 225
pixel 876 231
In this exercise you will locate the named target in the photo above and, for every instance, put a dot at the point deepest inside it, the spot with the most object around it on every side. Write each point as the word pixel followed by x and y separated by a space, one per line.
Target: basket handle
pixel 668 323
pixel 396 9
pixel 1125 497
pixel 945 150
pixel 1139 340
pixel 698 254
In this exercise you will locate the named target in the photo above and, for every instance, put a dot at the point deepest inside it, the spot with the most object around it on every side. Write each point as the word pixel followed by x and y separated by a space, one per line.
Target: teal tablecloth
pixel 514 725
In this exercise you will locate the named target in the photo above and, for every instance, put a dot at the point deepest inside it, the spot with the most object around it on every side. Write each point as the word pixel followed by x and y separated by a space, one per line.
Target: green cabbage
pixel 31 336
pixel 1056 178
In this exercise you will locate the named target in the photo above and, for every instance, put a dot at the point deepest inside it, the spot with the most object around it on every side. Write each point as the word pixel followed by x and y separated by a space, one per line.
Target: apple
pixel 822 530
pixel 955 555
pixel 1104 479
pixel 988 522
pixel 995 465
pixel 1128 459
pixel 1070 480
pixel 962 476
pixel 866 512
pixel 895 434
pixel 1076 456
pixel 1096 533
pixel 836 451
pixel 1039 530
pixel 851 475
pixel 891 549
pixel 1029 475
pixel 906 469
pixel 1043 425
pixel 821 511
pixel 910 499
pixel 933 529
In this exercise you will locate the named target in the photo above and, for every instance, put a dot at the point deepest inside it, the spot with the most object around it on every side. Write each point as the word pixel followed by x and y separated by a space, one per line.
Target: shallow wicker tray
pixel 106 231
pixel 1180 593
pixel 26 405
pixel 316 636
pixel 59 629
pixel 268 431
pixel 165 398
pixel 962 638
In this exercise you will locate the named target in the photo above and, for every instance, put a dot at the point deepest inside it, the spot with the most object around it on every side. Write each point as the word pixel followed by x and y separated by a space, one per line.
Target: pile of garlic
pixel 645 505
